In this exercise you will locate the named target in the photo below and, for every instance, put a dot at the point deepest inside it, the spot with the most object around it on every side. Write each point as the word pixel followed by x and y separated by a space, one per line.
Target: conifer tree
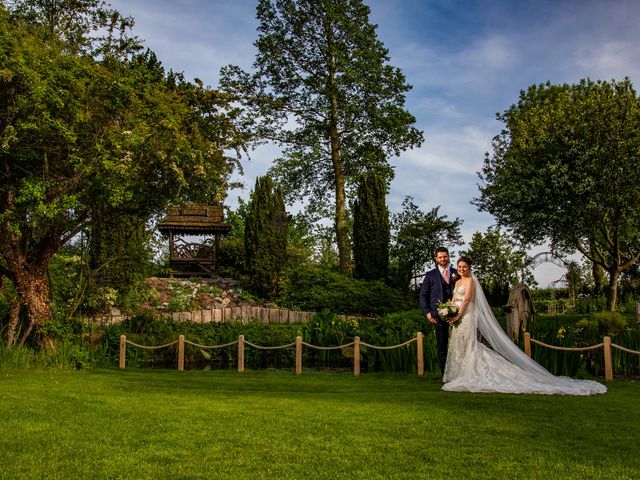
pixel 371 229
pixel 265 237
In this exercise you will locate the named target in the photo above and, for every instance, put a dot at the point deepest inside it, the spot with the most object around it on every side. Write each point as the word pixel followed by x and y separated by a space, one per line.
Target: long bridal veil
pixel 492 332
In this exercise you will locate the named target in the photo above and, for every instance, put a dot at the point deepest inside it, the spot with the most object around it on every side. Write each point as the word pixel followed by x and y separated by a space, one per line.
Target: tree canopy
pixel 323 88
pixel 566 169
pixel 498 262
pixel 79 133
pixel 265 237
pixel 414 239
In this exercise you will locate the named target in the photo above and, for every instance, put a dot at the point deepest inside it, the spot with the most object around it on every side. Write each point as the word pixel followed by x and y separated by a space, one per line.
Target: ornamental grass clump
pixel 604 323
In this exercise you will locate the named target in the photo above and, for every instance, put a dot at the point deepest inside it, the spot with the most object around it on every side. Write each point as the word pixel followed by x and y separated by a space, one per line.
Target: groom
pixel 437 287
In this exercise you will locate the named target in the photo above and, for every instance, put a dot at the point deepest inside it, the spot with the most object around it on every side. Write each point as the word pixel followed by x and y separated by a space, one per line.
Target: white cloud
pixel 195 37
pixel 609 60
pixel 455 150
pixel 491 54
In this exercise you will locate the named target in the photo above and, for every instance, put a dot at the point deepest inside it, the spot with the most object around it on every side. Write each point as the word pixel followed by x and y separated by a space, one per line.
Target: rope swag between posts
pixel 241 343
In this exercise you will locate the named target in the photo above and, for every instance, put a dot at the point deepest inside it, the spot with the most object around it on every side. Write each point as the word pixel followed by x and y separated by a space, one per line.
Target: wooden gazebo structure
pixel 188 258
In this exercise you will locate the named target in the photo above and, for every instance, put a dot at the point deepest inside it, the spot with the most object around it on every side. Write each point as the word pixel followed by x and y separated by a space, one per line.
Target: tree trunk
pixel 613 289
pixel 14 318
pixel 34 291
pixel 31 284
pixel 342 230
pixel 598 278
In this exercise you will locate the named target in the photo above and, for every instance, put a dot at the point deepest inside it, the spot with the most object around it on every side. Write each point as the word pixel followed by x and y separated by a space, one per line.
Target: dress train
pixel 473 367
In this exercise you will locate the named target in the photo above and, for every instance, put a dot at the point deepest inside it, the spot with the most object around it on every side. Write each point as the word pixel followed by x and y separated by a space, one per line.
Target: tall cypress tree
pixel 265 237
pixel 371 229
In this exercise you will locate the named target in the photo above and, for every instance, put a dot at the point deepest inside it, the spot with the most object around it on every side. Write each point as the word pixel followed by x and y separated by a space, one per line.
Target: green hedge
pixel 312 288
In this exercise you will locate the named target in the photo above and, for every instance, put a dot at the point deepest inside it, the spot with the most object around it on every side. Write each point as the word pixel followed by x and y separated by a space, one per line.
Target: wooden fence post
pixel 608 364
pixel 356 356
pixel 241 354
pixel 298 355
pixel 420 345
pixel 181 353
pixel 527 343
pixel 123 351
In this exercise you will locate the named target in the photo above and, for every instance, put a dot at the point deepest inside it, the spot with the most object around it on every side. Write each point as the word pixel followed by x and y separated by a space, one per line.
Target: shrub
pixel 231 258
pixel 589 303
pixel 605 322
pixel 542 294
pixel 325 330
pixel 181 298
pixel 577 331
pixel 316 289
pixel 371 229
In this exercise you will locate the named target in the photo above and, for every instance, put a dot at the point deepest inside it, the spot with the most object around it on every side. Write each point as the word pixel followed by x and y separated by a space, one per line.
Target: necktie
pixel 445 274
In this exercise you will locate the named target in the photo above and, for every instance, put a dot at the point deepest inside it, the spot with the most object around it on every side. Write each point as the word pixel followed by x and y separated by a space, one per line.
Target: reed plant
pixel 583 331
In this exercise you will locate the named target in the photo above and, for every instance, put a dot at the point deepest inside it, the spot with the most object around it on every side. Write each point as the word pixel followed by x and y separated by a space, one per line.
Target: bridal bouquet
pixel 448 310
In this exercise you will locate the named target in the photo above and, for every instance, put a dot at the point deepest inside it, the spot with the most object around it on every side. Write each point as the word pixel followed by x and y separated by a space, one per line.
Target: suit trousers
pixel 442 343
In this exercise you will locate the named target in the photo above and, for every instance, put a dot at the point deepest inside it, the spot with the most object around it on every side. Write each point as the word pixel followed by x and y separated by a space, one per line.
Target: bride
pixel 473 367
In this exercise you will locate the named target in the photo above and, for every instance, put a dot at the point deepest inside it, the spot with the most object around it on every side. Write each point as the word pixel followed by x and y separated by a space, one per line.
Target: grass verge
pixel 142 424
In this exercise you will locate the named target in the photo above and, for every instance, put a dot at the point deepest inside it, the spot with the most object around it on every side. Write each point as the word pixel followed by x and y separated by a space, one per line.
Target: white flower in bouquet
pixel 447 309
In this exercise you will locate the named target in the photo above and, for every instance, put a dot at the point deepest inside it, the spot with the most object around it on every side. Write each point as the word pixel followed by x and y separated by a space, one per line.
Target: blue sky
pixel 466 60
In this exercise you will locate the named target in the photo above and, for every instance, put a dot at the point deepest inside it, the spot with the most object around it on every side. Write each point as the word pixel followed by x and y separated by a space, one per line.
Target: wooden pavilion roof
pixel 194 219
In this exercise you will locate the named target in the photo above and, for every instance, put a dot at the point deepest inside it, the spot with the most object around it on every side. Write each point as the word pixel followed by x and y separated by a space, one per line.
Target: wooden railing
pixel 606 345
pixel 242 342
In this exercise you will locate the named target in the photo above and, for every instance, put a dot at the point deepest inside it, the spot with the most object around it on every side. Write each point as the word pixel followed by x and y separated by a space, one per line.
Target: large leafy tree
pixel 415 237
pixel 323 88
pixel 566 169
pixel 86 126
pixel 88 27
pixel 498 262
pixel 371 233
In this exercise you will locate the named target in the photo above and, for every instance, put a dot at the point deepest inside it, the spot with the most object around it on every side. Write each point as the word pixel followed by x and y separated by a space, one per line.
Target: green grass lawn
pixel 271 424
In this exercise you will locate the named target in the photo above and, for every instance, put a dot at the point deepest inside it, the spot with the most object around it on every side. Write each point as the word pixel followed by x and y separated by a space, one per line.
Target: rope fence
pixel 241 342
pixel 606 345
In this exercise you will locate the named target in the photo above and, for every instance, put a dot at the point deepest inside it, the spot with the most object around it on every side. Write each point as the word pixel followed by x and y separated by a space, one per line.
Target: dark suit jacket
pixel 431 293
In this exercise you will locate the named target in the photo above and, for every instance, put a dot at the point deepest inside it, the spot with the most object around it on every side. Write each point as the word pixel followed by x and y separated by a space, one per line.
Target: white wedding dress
pixel 473 367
